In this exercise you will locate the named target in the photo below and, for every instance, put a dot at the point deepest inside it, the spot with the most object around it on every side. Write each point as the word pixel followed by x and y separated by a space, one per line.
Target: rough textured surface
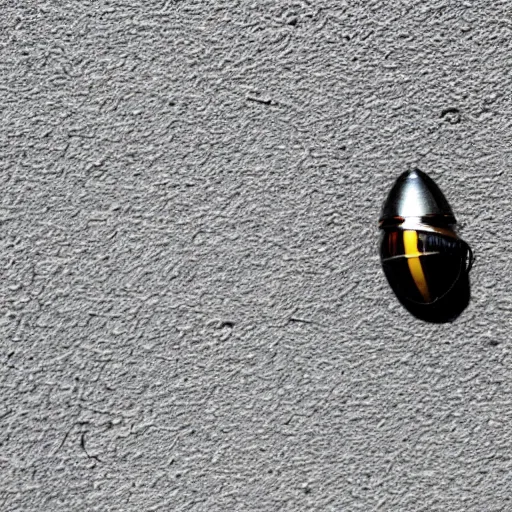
pixel 193 315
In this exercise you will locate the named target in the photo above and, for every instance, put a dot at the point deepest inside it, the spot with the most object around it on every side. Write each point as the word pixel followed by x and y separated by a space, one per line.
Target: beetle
pixel 422 255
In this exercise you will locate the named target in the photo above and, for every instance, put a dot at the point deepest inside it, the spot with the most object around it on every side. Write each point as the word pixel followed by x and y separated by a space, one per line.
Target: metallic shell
pixel 416 196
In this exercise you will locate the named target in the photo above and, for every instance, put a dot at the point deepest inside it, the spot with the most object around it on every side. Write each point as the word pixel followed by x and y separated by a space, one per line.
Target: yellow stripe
pixel 413 260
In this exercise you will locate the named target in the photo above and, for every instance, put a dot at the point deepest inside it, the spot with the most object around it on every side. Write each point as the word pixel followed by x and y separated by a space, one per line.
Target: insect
pixel 422 255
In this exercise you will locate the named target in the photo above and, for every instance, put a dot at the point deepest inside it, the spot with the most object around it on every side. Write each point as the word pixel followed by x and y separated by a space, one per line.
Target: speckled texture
pixel 193 315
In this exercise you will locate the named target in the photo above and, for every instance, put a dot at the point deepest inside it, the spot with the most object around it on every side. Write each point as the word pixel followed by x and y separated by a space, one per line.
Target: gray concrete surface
pixel 193 315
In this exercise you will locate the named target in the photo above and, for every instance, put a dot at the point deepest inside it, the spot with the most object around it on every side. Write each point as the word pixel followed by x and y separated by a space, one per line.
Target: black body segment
pixel 435 267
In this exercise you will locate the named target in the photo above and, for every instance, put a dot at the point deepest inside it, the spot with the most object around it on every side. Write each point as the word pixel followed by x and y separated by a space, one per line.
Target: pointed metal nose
pixel 415 194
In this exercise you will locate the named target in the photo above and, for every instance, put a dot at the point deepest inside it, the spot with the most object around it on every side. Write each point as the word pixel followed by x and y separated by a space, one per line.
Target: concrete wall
pixel 193 314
